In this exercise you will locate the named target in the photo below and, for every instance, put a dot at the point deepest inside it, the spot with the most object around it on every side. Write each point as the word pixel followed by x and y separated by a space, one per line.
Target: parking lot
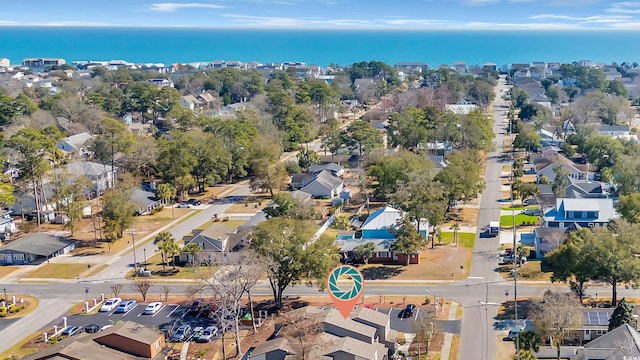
pixel 169 316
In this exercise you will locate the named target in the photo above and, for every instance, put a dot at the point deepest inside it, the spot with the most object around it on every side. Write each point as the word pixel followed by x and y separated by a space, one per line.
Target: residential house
pixel 191 102
pixel 545 164
pixel 160 83
pixel 580 213
pixel 612 130
pixel 380 322
pixel 547 239
pixel 534 88
pixel 323 184
pixel 489 66
pixel 213 242
pixel 125 340
pixel 32 247
pixel 419 66
pixel 26 206
pixel 594 323
pixel 354 338
pixel 207 99
pixel 376 230
pixel 334 168
pixel 145 200
pixel 73 145
pixel 460 66
pixel 100 175
pixel 461 109
pixel 7 226
pixel 622 342
pixel 42 62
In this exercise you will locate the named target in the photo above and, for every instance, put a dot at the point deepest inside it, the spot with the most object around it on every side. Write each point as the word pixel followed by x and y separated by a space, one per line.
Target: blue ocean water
pixel 171 45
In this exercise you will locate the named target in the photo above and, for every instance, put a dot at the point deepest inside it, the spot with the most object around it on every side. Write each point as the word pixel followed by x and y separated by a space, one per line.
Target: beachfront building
pixel 42 62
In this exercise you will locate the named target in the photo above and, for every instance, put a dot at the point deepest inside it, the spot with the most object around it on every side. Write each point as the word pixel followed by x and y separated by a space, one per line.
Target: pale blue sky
pixel 329 14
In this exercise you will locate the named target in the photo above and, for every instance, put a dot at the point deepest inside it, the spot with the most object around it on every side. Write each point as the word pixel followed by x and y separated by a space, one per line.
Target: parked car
pixel 207 310
pixel 105 327
pixel 126 306
pixel 408 310
pixel 195 307
pixel 194 202
pixel 184 205
pixel 153 308
pixel 197 332
pixel 92 328
pixel 513 333
pixel 182 333
pixel 208 334
pixel 110 304
pixel 71 330
pixel 532 212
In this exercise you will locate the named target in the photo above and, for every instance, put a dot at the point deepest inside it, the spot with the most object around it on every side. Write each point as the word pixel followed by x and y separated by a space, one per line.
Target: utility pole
pixel 133 244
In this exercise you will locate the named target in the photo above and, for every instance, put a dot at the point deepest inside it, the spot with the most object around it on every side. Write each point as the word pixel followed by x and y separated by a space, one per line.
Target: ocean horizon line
pixel 170 45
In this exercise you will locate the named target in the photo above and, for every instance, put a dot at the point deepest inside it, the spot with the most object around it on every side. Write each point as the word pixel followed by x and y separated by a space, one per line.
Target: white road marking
pixel 125 314
pixel 158 312
pixel 172 311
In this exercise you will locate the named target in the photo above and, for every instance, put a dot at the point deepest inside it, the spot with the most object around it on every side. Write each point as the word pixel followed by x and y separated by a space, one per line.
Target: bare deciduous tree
pixel 142 286
pixel 304 329
pixel 555 315
pixel 229 285
pixel 116 289
pixel 425 329
pixel 165 291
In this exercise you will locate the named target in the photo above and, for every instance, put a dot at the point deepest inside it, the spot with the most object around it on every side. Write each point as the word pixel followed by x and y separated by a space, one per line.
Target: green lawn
pixel 58 271
pixel 154 264
pixel 507 220
pixel 464 239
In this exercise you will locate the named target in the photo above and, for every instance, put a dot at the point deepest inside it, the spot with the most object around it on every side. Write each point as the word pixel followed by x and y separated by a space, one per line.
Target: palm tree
pixel 521 251
pixel 455 227
pixel 166 192
pixel 529 341
pixel 173 250
pixel 164 241
pixel 192 249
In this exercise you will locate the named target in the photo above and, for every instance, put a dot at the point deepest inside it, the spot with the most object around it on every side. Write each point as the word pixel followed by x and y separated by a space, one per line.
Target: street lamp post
pixel 5 295
pixel 144 251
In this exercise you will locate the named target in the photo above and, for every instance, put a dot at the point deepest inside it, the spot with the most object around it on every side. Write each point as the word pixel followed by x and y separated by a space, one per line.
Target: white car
pixel 152 308
pixel 184 205
pixel 110 304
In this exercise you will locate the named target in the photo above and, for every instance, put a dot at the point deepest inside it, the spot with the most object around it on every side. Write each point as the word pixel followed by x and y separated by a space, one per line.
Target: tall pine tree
pixel 623 314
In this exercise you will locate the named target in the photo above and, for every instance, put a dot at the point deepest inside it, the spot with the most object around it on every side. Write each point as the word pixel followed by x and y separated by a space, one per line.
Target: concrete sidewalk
pixel 448 337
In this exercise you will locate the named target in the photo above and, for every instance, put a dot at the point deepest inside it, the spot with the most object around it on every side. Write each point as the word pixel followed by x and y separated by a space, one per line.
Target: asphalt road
pixel 477 318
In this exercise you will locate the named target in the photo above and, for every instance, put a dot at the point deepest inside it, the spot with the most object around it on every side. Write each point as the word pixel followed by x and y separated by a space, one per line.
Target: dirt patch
pixel 439 263
pixel 504 349
pixel 250 204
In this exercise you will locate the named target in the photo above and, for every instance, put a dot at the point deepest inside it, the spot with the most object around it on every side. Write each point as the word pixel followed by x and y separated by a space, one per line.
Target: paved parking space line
pixel 111 313
pixel 125 314
pixel 417 312
pixel 174 310
pixel 158 312
pixel 389 313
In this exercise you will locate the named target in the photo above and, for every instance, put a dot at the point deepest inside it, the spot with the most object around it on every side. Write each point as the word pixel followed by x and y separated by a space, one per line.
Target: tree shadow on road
pixel 381 272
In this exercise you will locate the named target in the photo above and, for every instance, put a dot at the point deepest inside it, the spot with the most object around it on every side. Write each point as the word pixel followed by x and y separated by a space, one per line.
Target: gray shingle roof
pixel 40 244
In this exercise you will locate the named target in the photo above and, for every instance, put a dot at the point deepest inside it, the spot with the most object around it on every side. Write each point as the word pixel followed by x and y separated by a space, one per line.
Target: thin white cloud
pixel 54 23
pixel 626 7
pixel 171 7
pixel 603 19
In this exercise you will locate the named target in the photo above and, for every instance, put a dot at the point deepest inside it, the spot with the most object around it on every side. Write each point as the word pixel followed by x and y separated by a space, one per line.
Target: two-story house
pixel 545 167
pixel 580 213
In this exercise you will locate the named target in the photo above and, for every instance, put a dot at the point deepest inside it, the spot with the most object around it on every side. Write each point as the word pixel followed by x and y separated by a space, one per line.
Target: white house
pixel 191 102
pixel 612 130
pixel 73 144
pixel 580 213
pixel 100 175
pixel 545 164
pixel 323 185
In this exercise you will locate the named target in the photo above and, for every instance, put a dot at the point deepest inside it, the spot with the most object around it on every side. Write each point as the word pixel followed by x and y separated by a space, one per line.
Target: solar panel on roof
pixel 598 318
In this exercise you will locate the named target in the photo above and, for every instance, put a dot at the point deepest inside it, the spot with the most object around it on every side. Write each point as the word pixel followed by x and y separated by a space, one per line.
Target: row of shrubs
pixel 11 309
